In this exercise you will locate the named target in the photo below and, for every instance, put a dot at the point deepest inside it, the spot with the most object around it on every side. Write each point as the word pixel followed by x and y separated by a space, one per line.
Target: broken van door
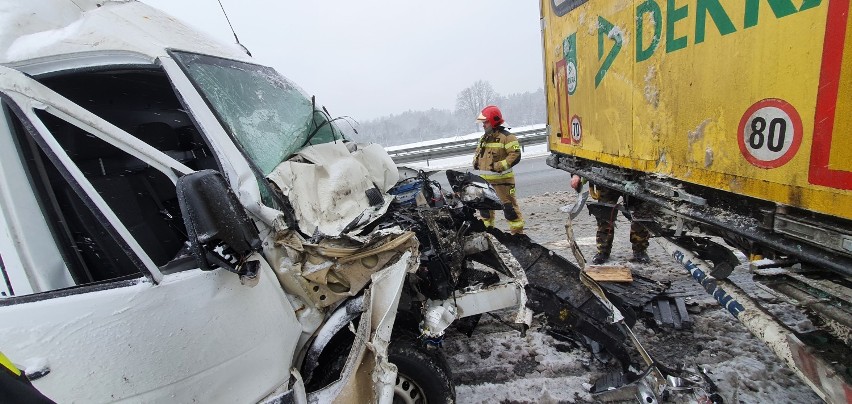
pixel 134 318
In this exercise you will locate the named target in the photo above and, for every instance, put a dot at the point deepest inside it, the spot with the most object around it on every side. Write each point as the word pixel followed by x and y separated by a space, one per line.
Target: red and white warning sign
pixel 576 129
pixel 770 133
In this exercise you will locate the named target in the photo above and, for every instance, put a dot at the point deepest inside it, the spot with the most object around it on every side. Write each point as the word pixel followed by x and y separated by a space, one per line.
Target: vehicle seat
pixel 143 198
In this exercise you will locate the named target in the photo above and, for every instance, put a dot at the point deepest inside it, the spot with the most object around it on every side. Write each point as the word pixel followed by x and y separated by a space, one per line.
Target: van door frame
pixel 25 96
pixel 246 336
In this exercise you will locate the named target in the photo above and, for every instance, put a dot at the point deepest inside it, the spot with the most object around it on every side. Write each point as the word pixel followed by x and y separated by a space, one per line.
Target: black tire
pixel 422 376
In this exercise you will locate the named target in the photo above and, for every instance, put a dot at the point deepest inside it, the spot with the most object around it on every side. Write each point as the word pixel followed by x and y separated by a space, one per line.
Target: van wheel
pixel 422 375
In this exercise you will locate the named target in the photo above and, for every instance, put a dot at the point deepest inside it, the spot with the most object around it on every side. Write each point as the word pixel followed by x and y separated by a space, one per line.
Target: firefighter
pixel 498 151
pixel 15 387
pixel 605 218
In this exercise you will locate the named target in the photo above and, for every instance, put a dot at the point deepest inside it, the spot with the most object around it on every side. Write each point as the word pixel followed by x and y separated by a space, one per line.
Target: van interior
pixel 143 103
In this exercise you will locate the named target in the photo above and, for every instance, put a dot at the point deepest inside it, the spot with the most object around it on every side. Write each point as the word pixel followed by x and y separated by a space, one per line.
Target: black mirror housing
pixel 216 223
pixel 459 179
pixel 474 191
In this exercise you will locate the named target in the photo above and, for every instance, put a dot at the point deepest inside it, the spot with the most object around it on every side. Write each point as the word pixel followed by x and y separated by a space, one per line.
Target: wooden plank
pixel 665 312
pixel 609 273
pixel 656 310
pixel 681 310
pixel 678 320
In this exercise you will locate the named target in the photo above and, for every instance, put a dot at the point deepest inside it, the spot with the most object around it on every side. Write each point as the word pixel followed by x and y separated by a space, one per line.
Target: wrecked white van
pixel 179 223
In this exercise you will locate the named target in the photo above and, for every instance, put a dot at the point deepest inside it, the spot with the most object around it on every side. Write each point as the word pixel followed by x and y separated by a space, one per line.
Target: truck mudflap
pixel 601 314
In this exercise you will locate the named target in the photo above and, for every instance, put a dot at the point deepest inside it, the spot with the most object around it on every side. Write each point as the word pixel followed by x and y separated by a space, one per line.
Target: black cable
pixel 229 22
pixel 328 120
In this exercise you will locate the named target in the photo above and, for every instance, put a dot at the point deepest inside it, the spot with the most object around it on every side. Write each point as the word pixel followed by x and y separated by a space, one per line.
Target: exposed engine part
pixel 475 243
pixel 437 317
pixel 446 285
pixel 353 308
pixel 474 191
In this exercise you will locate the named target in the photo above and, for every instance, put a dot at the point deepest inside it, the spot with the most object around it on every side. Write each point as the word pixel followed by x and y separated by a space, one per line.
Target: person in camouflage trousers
pixel 605 217
pixel 498 151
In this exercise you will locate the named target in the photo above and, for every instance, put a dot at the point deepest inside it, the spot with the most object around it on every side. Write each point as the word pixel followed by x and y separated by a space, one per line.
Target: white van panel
pixel 25 239
pixel 198 336
pixel 44 30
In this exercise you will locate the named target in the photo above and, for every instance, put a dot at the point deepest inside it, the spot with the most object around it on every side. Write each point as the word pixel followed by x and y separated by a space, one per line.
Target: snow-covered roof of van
pixel 46 30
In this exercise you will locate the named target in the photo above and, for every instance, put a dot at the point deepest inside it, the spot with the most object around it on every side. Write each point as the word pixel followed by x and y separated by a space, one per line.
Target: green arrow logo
pixel 608 30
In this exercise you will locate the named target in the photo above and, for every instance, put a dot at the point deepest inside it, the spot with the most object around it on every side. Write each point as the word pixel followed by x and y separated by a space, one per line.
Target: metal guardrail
pixel 458 147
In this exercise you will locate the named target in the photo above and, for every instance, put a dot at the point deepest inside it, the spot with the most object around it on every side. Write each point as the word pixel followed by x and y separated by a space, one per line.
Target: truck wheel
pixel 422 375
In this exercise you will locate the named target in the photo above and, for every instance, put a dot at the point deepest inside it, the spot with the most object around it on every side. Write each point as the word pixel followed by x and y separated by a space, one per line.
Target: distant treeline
pixel 415 126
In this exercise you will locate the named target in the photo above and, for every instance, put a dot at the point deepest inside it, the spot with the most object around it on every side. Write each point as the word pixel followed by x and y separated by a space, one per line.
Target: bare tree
pixel 413 126
pixel 471 100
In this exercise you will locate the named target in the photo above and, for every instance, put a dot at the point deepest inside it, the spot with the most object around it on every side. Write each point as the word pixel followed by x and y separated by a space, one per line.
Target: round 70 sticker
pixel 576 129
pixel 770 133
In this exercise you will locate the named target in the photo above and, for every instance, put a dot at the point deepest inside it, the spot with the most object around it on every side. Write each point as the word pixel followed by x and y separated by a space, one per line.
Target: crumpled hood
pixel 327 186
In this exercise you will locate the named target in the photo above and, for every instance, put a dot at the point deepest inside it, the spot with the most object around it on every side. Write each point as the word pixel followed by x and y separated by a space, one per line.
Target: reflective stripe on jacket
pixel 9 365
pixel 498 151
pixel 491 176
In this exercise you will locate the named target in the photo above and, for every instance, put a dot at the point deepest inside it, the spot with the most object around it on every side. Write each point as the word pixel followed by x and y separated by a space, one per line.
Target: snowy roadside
pixel 496 364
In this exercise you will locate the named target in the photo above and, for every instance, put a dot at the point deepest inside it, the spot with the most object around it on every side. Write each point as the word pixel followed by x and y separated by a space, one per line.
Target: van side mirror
pixel 219 229
pixel 474 191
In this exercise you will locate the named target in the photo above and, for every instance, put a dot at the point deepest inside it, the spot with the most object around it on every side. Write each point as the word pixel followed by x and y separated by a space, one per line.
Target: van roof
pixel 39 32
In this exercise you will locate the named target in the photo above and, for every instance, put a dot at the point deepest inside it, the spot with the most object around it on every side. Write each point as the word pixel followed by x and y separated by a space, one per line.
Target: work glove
pixel 575 182
pixel 497 167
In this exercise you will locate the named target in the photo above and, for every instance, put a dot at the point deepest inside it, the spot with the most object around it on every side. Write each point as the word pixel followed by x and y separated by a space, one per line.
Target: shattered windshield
pixel 266 114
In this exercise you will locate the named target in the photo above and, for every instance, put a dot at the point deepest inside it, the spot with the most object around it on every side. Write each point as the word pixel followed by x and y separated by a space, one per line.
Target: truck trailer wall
pixel 748 96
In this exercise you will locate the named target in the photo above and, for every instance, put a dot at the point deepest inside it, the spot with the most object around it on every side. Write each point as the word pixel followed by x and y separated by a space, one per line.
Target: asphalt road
pixel 532 177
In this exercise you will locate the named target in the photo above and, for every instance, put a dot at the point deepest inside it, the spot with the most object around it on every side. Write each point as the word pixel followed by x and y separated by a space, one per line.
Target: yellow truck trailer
pixel 728 118
pixel 751 99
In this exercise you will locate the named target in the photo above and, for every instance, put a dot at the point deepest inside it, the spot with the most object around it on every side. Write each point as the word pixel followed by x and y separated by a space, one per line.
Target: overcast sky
pixel 371 58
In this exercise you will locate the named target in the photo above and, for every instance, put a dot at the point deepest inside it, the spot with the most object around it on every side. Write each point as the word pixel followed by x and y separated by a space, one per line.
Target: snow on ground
pixel 498 365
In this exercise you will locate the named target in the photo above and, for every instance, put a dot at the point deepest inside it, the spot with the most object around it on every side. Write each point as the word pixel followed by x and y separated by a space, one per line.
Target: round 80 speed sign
pixel 770 133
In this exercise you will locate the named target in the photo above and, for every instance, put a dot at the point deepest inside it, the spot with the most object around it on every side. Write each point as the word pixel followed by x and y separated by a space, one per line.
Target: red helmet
pixel 492 115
